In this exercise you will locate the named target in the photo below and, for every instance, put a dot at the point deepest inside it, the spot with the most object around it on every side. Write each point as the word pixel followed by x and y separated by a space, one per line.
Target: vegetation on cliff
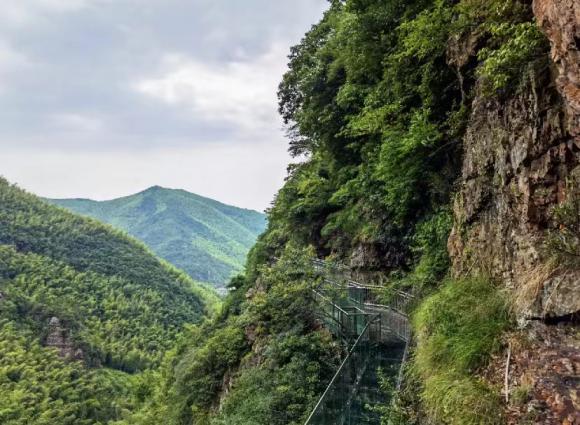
pixel 116 307
pixel 456 332
pixel 266 352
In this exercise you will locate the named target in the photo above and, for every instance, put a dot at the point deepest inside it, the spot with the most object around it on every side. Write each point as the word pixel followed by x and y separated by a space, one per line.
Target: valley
pixel 86 314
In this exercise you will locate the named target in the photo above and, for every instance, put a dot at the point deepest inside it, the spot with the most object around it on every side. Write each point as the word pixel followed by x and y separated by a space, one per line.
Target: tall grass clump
pixel 457 329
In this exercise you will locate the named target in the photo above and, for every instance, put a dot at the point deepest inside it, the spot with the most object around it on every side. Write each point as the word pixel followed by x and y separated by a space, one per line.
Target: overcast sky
pixel 104 98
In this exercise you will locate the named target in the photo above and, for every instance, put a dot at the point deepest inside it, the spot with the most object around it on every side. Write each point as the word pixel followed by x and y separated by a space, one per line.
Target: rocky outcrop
pixel 521 157
pixel 59 337
pixel 520 161
pixel 540 376
pixel 560 21
pixel 518 158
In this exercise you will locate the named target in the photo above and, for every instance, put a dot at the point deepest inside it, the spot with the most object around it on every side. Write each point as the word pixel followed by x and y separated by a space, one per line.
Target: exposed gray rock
pixel 518 156
pixel 560 295
pixel 58 337
pixel 560 21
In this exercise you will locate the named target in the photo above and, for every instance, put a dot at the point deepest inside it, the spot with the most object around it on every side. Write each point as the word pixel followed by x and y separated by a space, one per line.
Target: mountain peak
pixel 155 188
pixel 205 238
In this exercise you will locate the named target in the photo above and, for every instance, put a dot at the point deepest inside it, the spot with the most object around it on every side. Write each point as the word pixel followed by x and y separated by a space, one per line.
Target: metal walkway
pixel 377 333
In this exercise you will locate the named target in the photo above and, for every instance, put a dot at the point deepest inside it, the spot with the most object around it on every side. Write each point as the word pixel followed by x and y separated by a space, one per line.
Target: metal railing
pixel 346 322
pixel 393 321
pixel 378 296
pixel 338 275
pixel 381 330
pixel 333 406
pixel 371 299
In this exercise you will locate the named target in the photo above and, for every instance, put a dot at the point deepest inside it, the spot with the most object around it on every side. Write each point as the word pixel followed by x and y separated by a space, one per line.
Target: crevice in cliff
pixel 572 319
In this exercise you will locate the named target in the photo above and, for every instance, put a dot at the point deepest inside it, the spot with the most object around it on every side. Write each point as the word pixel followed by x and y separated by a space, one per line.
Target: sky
pixel 105 98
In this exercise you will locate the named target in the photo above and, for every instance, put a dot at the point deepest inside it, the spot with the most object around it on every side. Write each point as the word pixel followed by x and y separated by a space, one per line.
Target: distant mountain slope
pixel 205 238
pixel 73 288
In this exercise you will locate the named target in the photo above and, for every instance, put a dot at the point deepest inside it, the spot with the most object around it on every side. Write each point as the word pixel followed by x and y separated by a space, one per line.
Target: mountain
pixel 205 238
pixel 84 310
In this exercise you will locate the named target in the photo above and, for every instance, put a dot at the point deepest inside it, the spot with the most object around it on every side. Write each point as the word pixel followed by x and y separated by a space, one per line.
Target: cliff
pixel 520 165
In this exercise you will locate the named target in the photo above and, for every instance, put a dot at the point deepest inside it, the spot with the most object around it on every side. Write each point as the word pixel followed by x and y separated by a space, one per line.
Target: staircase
pixel 378 334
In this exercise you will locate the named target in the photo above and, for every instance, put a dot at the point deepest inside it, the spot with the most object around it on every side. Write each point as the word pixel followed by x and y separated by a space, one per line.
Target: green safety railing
pixel 346 322
pixel 381 333
pixel 369 298
pixel 338 397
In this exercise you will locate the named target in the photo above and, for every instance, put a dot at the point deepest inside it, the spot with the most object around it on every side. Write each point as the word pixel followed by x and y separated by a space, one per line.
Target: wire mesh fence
pixel 379 332
pixel 354 392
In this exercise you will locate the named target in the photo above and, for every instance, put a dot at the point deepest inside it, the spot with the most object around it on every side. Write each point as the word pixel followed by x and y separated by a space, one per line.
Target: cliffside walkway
pixel 377 333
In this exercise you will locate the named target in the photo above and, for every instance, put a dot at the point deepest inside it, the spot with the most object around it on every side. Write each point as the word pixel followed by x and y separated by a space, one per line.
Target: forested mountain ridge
pixel 83 310
pixel 207 239
pixel 442 151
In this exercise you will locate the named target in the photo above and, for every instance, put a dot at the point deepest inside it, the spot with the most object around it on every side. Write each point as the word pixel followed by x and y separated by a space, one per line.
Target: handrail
pixel 319 262
pixel 367 286
pixel 338 372
pixel 393 326
pixel 345 324
pixel 339 308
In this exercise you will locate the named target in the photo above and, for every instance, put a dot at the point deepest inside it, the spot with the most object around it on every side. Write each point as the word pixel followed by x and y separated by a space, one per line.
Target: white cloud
pixel 10 58
pixel 241 92
pixel 246 176
pixel 95 106
pixel 18 13
pixel 11 62
pixel 75 122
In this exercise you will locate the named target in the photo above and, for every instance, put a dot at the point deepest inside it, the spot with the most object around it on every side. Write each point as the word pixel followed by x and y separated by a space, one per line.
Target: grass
pixel 521 394
pixel 457 329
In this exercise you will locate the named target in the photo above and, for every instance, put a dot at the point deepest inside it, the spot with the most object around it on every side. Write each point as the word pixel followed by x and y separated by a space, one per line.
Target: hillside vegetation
pixel 83 309
pixel 377 100
pixel 205 238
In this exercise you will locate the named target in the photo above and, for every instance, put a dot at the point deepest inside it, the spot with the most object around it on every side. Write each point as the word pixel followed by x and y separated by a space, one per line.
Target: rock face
pixel 58 337
pixel 521 157
pixel 560 21
pixel 543 373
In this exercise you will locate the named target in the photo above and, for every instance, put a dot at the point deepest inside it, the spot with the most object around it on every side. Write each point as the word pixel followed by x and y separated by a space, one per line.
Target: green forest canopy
pixel 120 308
pixel 205 238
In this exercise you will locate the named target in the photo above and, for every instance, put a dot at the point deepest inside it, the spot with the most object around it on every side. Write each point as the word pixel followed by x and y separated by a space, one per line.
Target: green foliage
pixel 521 394
pixel 462 400
pixel 429 247
pixel 116 303
pixel 367 97
pixel 402 168
pixel 515 48
pixel 118 323
pixel 38 388
pixel 376 109
pixel 457 331
pixel 372 101
pixel 401 405
pixel 283 388
pixel 267 344
pixel 203 237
